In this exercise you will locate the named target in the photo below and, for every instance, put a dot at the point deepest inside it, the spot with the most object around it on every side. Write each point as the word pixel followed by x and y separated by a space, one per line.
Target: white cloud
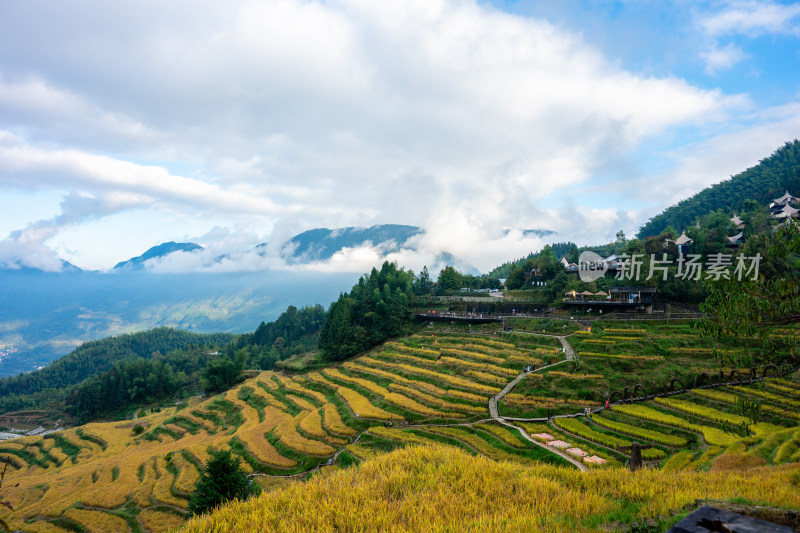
pixel 25 248
pixel 34 167
pixel 743 18
pixel 294 114
pixel 38 107
pixel 722 58
pixel 753 18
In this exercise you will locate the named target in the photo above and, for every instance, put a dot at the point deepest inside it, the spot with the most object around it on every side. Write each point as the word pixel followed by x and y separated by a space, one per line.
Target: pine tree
pixel 222 481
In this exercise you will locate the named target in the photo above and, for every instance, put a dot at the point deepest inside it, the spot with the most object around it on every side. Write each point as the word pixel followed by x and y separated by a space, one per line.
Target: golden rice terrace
pixel 432 390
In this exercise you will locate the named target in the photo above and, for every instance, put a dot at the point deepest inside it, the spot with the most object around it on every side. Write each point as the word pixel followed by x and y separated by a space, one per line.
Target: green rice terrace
pixel 434 386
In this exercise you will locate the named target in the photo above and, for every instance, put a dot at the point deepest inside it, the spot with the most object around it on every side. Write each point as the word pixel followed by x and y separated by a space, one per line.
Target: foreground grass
pixel 440 488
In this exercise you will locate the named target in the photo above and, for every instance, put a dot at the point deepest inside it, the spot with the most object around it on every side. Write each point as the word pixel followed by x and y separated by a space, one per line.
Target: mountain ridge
pixel 161 250
pixel 769 179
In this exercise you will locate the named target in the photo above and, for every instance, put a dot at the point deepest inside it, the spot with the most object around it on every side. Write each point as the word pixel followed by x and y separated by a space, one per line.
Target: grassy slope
pixel 453 491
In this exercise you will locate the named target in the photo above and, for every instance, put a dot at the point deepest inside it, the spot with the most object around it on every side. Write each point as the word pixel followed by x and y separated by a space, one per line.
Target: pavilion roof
pixel 785 199
pixel 683 239
pixel 787 211
pixel 736 238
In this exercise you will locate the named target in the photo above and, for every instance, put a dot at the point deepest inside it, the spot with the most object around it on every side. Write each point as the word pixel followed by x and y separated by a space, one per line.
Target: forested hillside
pixel 97 356
pixel 290 327
pixel 105 377
pixel 378 307
pixel 561 249
pixel 764 182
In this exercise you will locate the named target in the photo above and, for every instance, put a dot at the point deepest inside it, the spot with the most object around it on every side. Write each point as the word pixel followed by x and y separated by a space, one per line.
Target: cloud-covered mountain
pixel 321 243
pixel 162 250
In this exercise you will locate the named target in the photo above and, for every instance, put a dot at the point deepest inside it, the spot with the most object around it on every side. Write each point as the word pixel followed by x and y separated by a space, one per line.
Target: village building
pixel 568 265
pixel 786 211
pixel 683 243
pixel 783 201
pixel 735 240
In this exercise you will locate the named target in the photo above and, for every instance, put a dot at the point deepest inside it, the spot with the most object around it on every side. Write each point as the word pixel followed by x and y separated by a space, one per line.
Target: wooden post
pixel 636 457
pixel 635 449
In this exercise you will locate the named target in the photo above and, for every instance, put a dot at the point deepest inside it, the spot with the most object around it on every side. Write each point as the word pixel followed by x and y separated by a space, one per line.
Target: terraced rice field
pixel 277 424
pixel 701 429
pixel 704 429
pixel 423 389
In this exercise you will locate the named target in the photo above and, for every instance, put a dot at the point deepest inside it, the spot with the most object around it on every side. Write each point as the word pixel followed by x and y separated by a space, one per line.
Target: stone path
pixel 496 416
pixel 570 355
pixel 582 467
pixel 568 351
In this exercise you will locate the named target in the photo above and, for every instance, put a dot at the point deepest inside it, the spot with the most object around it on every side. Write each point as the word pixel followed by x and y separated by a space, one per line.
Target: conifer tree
pixel 222 480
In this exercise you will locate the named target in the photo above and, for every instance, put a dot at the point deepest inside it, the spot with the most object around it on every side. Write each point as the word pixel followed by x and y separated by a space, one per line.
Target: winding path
pixel 568 351
pixel 570 356
pixel 574 461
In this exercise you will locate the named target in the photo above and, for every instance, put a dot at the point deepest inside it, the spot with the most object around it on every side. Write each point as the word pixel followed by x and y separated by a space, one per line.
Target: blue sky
pixel 129 124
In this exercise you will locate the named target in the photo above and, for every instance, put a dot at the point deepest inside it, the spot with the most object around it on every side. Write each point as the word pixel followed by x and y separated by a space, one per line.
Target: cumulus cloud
pixel 27 166
pixel 27 247
pixel 743 18
pixel 292 114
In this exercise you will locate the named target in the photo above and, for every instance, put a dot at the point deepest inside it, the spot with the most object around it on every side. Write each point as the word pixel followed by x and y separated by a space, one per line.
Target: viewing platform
pixel 639 299
pixel 475 318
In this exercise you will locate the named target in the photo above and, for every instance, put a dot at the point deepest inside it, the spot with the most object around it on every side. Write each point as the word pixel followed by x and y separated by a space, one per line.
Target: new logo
pixel 591 266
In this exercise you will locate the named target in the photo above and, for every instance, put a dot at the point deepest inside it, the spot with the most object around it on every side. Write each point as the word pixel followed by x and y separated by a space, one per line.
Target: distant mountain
pixel 321 243
pixel 768 180
pixel 137 263
pixel 538 232
pixel 66 266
